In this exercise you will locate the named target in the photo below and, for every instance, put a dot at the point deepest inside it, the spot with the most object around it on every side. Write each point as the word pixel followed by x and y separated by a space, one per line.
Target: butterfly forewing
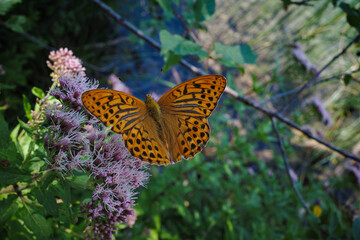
pixel 185 111
pixel 196 97
pixel 118 110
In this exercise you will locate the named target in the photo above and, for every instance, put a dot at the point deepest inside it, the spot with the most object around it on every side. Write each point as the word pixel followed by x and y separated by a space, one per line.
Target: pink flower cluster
pixel 76 141
pixel 63 63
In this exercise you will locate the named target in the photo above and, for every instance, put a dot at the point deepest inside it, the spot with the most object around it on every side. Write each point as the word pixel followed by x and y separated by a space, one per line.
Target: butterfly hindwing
pixel 142 142
pixel 193 135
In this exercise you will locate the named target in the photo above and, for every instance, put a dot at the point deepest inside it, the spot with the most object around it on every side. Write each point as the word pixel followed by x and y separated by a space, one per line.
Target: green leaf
pixel 179 45
pixel 35 222
pixel 27 107
pixel 61 189
pixel 17 230
pixel 13 175
pixel 248 54
pixel 233 56
pixel 38 92
pixel 203 9
pixel 229 233
pixel 352 14
pixel 47 199
pixel 347 79
pixel 334 222
pixel 6 5
pixel 168 41
pixel 356 229
pixel 80 178
pixel 7 86
pixel 8 207
pixel 34 164
pixel 16 22
pixel 334 2
pixel 8 150
pixel 171 59
pixel 25 126
pixel 165 5
pixel 4 132
pixel 49 178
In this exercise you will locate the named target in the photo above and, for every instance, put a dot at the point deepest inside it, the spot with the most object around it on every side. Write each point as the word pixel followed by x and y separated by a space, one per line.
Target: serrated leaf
pixel 11 154
pixel 27 107
pixel 8 207
pixel 36 222
pixel 18 231
pixel 62 190
pixel 47 180
pixel 38 92
pixel 50 204
pixel 47 199
pixel 13 175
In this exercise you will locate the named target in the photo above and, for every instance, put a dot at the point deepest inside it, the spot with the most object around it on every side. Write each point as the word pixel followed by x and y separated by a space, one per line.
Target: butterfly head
pixel 153 107
pixel 149 99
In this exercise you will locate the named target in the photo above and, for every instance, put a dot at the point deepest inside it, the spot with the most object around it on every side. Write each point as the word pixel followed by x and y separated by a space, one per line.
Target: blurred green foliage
pixel 237 189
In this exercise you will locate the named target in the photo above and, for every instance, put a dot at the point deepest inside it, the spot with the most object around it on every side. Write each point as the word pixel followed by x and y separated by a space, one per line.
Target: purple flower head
pixel 70 89
pixel 76 141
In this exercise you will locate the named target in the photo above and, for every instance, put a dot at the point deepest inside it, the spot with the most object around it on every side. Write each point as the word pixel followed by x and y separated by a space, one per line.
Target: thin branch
pixel 45 46
pixel 183 23
pixel 290 123
pixel 29 37
pixel 295 90
pixel 304 2
pixel 310 81
pixel 119 19
pixel 228 90
pixel 287 167
pixel 292 182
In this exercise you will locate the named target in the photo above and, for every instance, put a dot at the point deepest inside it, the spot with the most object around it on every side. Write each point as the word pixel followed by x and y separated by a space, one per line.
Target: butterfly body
pixel 165 131
pixel 154 112
pixel 153 109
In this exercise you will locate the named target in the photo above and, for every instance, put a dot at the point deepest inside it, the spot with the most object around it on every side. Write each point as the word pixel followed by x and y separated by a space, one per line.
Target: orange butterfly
pixel 160 132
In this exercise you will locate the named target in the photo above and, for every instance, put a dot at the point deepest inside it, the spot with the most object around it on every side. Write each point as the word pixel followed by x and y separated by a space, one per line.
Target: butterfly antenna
pixel 158 78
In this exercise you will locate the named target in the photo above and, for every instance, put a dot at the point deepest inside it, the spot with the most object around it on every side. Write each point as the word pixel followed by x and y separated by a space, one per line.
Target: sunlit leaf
pixel 204 9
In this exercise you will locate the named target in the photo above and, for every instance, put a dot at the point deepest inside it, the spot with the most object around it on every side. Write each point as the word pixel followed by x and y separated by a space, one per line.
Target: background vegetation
pixel 239 187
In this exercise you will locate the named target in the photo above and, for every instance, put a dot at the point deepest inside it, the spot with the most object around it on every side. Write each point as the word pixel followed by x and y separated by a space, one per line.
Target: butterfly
pixel 164 131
